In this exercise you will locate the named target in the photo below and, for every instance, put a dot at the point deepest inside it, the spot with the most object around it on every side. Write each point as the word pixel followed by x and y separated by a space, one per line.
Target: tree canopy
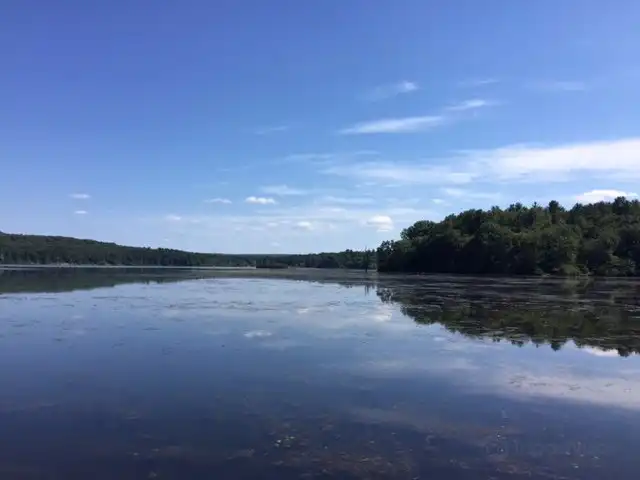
pixel 601 238
pixel 44 250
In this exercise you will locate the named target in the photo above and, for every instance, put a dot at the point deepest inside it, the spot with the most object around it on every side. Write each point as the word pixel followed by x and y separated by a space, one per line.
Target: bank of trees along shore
pixel 44 250
pixel 600 238
pixel 349 259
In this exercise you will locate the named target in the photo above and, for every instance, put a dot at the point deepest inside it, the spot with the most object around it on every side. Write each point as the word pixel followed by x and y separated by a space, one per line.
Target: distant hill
pixel 18 249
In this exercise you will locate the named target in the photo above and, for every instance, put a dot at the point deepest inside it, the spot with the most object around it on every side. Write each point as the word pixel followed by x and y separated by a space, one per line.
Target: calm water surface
pixel 171 374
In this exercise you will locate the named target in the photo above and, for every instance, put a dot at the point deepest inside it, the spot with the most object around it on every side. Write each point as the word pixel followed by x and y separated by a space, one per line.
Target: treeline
pixel 601 238
pixel 350 259
pixel 47 250
pixel 44 250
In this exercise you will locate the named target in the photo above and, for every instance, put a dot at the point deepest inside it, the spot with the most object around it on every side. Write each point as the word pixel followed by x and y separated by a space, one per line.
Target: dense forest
pixel 44 250
pixel 351 259
pixel 601 238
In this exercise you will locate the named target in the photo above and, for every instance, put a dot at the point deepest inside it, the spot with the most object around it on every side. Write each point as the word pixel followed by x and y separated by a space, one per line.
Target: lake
pixel 192 374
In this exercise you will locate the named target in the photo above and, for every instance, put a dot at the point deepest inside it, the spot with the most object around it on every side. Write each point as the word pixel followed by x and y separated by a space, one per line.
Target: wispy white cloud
pixel 460 193
pixel 283 190
pixel 260 200
pixel 80 196
pixel 395 125
pixel 594 196
pixel 383 92
pixel 330 199
pixel 382 223
pixel 173 218
pixel 559 86
pixel 80 212
pixel 327 157
pixel 403 173
pixel 612 160
pixel 619 158
pixel 270 130
pixel 218 200
pixel 478 82
pixel 472 104
pixel 416 123
pixel 307 157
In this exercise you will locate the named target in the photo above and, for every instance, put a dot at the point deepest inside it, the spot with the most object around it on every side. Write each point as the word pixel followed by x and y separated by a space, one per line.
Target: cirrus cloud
pixel 271 130
pixel 478 82
pixel 283 190
pixel 395 125
pixel 560 86
pixel 619 158
pixel 614 160
pixel 384 92
pixel 472 104
pixel 418 173
pixel 416 123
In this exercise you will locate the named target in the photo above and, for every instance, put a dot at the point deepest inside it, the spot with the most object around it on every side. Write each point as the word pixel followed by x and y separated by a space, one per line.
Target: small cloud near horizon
pixel 80 196
pixel 260 200
pixel 382 223
pixel 595 196
pixel 304 225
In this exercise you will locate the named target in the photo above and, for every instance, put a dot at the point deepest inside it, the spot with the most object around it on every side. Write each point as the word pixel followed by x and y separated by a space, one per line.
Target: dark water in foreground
pixel 193 375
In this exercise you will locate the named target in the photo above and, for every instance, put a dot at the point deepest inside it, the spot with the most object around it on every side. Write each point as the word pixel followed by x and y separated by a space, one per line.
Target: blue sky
pixel 280 126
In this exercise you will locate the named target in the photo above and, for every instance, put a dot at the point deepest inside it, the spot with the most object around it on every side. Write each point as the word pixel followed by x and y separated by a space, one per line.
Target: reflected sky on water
pixel 188 374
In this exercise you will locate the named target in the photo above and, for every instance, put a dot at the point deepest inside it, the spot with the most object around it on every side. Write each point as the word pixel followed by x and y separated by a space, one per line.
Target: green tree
pixel 602 238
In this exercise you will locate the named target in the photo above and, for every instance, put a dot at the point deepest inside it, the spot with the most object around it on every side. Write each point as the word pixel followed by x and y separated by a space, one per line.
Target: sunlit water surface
pixel 183 375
